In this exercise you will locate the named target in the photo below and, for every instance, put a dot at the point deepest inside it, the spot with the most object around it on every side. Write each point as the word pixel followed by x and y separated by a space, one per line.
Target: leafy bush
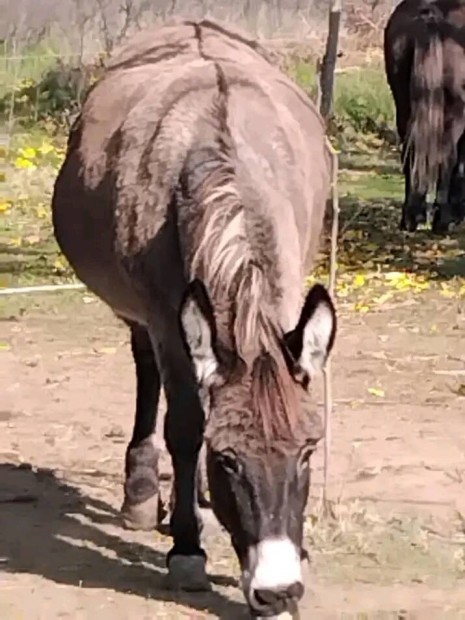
pixel 362 100
pixel 54 96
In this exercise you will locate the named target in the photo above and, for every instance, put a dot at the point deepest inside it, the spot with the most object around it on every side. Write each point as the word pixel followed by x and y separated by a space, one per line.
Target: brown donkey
pixel 191 201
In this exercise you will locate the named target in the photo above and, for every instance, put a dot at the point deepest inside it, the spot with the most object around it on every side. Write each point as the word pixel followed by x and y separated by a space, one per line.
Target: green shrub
pixel 54 95
pixel 362 100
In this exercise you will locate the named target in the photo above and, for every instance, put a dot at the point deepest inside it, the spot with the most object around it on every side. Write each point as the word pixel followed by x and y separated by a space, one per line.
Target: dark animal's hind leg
pixel 414 207
pixel 442 213
pixel 444 216
pixel 142 508
pixel 457 186
pixel 184 424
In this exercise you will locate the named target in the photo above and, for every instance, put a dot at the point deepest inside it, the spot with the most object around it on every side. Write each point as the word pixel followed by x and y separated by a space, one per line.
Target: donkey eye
pixel 304 458
pixel 229 462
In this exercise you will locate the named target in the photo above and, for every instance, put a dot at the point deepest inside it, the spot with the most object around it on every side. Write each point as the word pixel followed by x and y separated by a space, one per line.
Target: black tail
pixel 425 135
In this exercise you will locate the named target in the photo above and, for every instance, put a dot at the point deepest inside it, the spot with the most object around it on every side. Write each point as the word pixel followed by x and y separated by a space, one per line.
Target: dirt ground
pixel 393 549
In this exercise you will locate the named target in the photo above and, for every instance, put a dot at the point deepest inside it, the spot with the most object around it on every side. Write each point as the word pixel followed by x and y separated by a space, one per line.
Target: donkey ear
pixel 199 330
pixel 310 343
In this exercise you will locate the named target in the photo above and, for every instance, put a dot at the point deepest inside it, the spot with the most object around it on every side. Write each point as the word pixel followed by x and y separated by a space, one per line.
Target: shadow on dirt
pixel 369 239
pixel 44 524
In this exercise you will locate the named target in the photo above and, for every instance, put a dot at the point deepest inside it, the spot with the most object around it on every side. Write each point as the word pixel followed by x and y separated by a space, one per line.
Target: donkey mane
pixel 236 258
pixel 225 256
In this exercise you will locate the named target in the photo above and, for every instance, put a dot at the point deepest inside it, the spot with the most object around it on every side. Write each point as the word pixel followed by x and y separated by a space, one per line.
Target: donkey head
pixel 260 433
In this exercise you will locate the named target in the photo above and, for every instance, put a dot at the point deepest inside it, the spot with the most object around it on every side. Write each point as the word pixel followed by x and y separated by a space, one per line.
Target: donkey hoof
pixel 146 515
pixel 441 228
pixel 411 224
pixel 187 572
pixel 408 224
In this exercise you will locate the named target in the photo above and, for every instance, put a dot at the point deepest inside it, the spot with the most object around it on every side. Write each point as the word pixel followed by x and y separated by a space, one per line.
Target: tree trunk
pixel 328 64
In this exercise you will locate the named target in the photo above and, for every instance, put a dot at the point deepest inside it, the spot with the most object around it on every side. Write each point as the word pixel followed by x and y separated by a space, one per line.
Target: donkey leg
pixel 142 508
pixel 414 211
pixel 457 185
pixel 201 483
pixel 442 215
pixel 414 207
pixel 184 424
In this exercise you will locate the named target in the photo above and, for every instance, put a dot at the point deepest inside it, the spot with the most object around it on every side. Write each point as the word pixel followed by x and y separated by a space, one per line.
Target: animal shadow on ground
pixel 44 523
pixel 369 239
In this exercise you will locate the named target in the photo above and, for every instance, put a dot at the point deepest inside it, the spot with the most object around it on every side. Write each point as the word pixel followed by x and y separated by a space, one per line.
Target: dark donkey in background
pixel 191 201
pixel 424 50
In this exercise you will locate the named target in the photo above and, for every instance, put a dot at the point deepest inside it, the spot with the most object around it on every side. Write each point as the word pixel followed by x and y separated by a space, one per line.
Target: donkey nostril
pixel 270 597
pixel 295 591
pixel 267 597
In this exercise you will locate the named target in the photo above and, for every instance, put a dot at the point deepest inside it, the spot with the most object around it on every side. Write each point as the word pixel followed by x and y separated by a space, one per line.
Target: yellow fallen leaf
pixel 359 280
pixel 45 148
pixel 394 275
pixel 4 346
pixel 59 264
pixel 376 392
pixel 361 307
pixel 5 206
pixel 41 211
pixel 384 298
pixel 32 239
pixel 352 235
pixel 25 164
pixel 107 350
pixel 460 390
pixel 28 152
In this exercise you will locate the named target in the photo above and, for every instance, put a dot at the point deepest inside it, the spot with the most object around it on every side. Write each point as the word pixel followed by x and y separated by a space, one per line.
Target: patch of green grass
pixel 371 185
pixel 362 99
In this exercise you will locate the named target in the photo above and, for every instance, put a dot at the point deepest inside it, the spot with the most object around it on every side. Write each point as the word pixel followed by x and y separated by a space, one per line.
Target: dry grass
pixel 358 543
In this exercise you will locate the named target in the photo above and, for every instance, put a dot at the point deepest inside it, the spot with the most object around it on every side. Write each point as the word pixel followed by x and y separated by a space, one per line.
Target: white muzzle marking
pixel 274 564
